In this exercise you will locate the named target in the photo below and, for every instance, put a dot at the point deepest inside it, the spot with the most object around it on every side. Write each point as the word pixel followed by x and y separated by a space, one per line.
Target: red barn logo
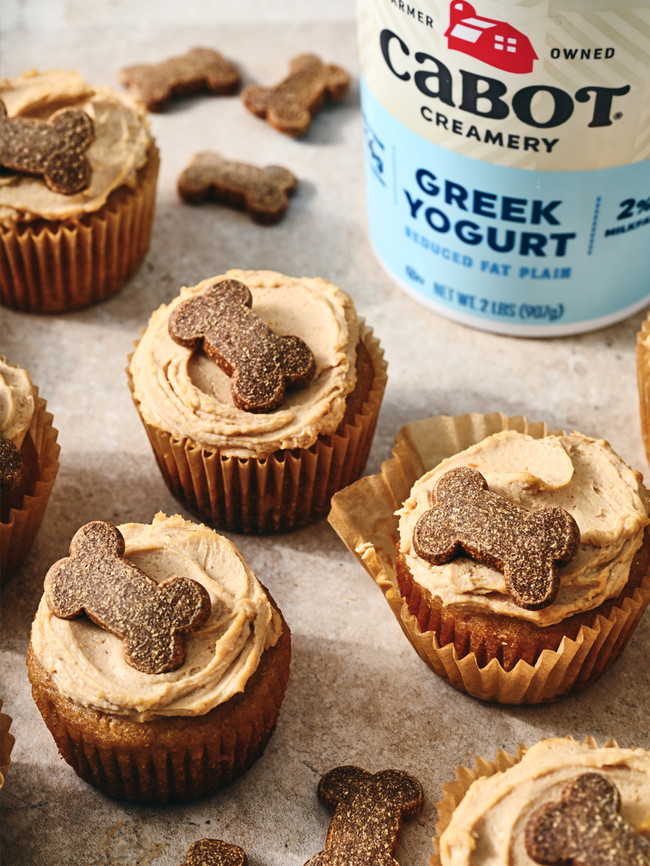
pixel 494 42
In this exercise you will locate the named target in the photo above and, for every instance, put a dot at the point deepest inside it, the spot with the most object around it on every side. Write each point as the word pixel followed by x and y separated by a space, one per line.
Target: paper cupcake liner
pixel 170 758
pixel 453 792
pixel 49 267
pixel 283 490
pixel 18 533
pixel 643 380
pixel 6 745
pixel 363 516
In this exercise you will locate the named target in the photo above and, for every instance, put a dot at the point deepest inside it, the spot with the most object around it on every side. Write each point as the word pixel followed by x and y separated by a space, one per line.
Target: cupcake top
pixel 16 402
pixel 88 665
pixel 183 391
pixel 488 825
pixel 121 143
pixel 584 477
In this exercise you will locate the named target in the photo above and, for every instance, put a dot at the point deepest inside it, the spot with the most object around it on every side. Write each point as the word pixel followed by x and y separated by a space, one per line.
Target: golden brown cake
pixel 461 614
pixel 485 816
pixel 29 465
pixel 62 251
pixel 262 471
pixel 181 733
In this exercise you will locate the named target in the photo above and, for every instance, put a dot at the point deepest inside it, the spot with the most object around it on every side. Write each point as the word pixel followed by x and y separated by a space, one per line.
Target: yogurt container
pixel 507 151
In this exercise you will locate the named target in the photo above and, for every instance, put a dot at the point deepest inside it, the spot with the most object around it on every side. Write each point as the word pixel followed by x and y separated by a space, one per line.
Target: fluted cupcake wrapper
pixel 363 516
pixel 18 533
pixel 6 745
pixel 51 268
pixel 171 758
pixel 281 491
pixel 453 792
pixel 643 380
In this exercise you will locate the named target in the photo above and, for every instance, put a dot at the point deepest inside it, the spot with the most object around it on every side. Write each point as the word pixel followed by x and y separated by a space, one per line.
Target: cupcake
pixel 242 462
pixel 67 242
pixel 28 462
pixel 465 614
pixel 517 809
pixel 643 380
pixel 139 716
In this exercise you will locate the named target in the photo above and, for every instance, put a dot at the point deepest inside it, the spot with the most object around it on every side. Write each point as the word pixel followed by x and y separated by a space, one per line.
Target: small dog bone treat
pixel 262 192
pixel 290 105
pixel 584 828
pixel 368 813
pixel 54 148
pixel 525 546
pixel 151 618
pixel 212 852
pixel 260 363
pixel 201 69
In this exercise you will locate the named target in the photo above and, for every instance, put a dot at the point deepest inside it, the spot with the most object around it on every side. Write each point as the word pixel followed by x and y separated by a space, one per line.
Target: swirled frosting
pixel 87 663
pixel 121 145
pixel 183 391
pixel 582 475
pixel 487 827
pixel 16 402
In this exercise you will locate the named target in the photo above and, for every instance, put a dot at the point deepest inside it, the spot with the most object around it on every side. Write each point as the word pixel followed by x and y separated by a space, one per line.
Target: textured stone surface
pixel 358 693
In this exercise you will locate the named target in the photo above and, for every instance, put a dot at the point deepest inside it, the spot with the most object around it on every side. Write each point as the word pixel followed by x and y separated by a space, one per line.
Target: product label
pixel 507 159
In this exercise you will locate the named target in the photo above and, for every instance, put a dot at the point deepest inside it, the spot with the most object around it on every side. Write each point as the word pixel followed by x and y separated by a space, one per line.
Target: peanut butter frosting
pixel 87 663
pixel 184 392
pixel 585 477
pixel 16 402
pixel 487 827
pixel 121 145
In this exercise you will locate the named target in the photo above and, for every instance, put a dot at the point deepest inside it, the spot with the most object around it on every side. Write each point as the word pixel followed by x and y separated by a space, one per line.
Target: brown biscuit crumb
pixel 584 828
pixel 199 70
pixel 12 475
pixel 213 852
pixel 260 363
pixel 368 814
pixel 291 104
pixel 54 148
pixel 150 618
pixel 262 192
pixel 526 547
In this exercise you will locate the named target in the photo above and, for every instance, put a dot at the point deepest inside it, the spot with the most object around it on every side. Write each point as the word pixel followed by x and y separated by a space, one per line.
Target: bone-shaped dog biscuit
pixel 213 852
pixel 526 547
pixel 53 148
pixel 261 363
pixel 584 828
pixel 201 69
pixel 368 814
pixel 262 192
pixel 151 618
pixel 291 104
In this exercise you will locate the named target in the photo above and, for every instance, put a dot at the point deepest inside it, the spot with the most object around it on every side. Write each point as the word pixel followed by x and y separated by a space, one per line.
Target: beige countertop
pixel 358 693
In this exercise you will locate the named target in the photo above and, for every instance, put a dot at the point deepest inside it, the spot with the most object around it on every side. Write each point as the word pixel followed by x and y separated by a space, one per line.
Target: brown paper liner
pixel 169 758
pixel 6 745
pixel 279 492
pixel 453 792
pixel 52 267
pixel 18 533
pixel 363 516
pixel 643 380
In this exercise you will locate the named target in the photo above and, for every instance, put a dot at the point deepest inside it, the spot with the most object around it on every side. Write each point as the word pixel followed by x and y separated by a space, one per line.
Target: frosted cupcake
pixel 67 245
pixel 558 797
pixel 151 731
pixel 272 468
pixel 28 462
pixel 461 614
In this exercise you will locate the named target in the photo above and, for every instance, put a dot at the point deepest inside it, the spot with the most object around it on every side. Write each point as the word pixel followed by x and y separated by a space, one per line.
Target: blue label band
pixel 505 245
